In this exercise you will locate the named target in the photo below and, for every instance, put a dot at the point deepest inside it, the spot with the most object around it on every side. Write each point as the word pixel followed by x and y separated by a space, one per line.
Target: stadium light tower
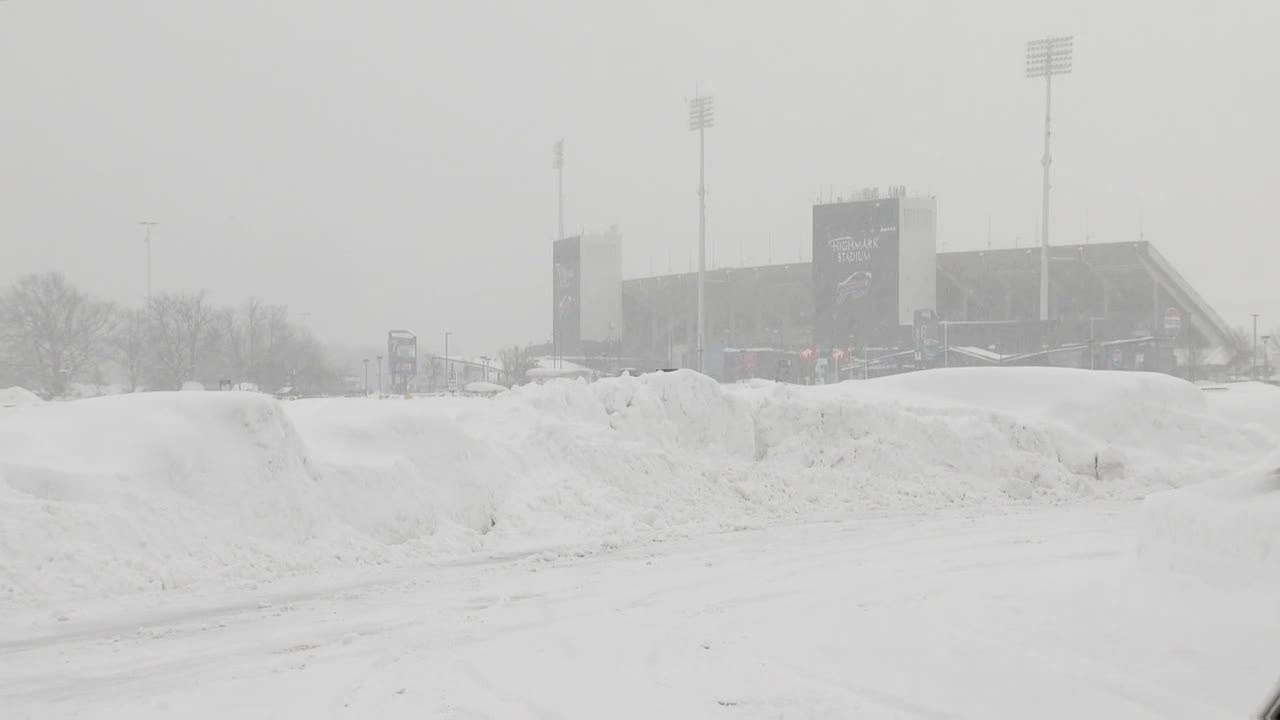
pixel 701 117
pixel 1045 59
pixel 146 240
pixel 557 153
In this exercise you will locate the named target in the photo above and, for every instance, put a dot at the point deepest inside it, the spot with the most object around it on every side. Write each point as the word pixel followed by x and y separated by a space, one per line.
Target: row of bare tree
pixel 53 334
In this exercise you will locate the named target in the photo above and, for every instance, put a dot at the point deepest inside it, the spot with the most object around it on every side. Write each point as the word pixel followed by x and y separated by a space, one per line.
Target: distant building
pixel 587 292
pixel 1112 305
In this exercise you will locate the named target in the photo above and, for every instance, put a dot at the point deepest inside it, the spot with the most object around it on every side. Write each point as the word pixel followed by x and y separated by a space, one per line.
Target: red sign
pixel 839 354
pixel 808 354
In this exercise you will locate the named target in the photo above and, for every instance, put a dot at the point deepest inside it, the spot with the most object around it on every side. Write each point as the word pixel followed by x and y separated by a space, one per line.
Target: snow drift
pixel 135 493
pixel 17 397
pixel 1228 527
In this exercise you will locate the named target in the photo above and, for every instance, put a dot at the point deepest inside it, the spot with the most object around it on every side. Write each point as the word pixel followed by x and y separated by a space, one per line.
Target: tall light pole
pixel 446 362
pixel 1266 359
pixel 701 117
pixel 558 158
pixel 366 377
pixel 1253 373
pixel 146 240
pixel 379 377
pixel 1047 58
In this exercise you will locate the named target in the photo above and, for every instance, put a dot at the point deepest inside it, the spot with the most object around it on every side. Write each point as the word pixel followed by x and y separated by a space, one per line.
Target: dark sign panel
pixel 402 358
pixel 855 273
pixel 925 332
pixel 566 309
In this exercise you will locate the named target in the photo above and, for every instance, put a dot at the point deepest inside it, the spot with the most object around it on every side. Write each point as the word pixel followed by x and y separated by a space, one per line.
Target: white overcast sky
pixel 387 163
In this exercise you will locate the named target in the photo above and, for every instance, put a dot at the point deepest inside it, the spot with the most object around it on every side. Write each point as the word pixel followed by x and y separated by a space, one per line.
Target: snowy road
pixel 1041 614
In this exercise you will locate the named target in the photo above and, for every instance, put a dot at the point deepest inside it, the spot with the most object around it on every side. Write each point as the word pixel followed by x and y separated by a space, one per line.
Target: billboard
pixel 402 358
pixel 855 273
pixel 566 310
pixel 600 286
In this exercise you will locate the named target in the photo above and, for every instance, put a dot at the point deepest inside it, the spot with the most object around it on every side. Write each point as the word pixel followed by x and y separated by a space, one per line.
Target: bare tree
pixel 516 363
pixel 54 331
pixel 183 327
pixel 1240 339
pixel 243 332
pixel 309 367
pixel 132 342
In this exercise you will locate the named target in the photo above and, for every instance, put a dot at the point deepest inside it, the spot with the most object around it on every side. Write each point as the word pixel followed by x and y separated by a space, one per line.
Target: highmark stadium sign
pixel 855 272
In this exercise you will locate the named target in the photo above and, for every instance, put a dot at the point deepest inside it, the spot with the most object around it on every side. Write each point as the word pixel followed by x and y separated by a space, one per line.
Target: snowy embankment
pixel 136 493
pixel 1228 527
pixel 16 396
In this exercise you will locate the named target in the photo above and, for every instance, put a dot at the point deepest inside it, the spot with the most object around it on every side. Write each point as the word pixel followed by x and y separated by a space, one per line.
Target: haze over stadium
pixel 665 360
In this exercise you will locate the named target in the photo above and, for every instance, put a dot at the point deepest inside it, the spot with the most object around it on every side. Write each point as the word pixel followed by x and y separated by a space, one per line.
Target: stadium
pixel 1119 306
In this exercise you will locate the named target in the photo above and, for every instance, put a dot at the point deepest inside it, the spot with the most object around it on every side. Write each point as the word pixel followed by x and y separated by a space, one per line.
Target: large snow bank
pixel 18 397
pixel 120 494
pixel 140 492
pixel 1227 527
pixel 1222 529
pixel 1246 403
pixel 1148 411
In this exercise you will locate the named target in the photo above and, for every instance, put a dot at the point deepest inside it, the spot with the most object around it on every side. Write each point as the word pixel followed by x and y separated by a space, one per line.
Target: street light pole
pixel 1253 372
pixel 558 156
pixel 1047 58
pixel 946 344
pixel 446 362
pixel 148 224
pixel 379 377
pixel 366 377
pixel 1266 359
pixel 701 117
pixel 1092 350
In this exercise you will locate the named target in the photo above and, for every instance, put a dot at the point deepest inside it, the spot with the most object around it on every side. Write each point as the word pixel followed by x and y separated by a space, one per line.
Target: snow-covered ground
pixel 1037 613
pixel 962 543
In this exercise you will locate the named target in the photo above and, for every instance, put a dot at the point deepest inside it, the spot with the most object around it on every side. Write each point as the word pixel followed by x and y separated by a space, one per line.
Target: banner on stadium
pixel 566 308
pixel 856 273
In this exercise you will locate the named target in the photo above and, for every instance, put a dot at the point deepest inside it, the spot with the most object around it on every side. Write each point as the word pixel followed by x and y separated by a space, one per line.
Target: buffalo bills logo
pixel 854 287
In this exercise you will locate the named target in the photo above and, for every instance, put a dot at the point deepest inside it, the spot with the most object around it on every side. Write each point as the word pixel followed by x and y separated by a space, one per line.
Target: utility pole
pixel 701 117
pixel 379 377
pixel 146 240
pixel 366 377
pixel 1047 58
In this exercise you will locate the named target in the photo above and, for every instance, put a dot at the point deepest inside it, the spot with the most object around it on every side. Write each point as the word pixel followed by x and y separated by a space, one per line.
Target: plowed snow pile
pixel 17 397
pixel 1227 527
pixel 134 493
